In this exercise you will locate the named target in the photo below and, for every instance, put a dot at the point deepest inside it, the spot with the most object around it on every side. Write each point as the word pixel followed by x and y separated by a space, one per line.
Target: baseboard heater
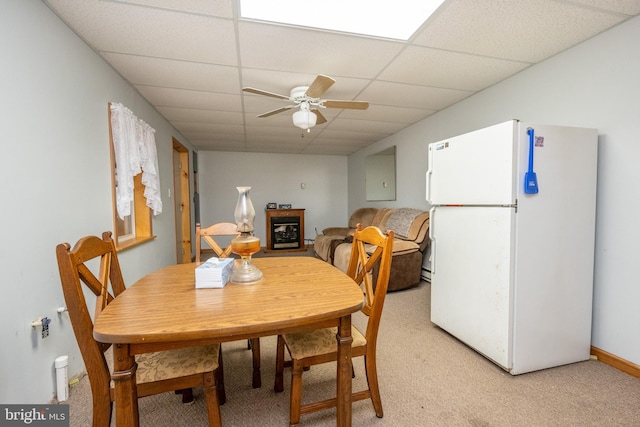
pixel 425 275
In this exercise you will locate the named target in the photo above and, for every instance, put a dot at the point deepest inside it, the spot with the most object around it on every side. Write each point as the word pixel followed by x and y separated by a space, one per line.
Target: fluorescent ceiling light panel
pixel 395 19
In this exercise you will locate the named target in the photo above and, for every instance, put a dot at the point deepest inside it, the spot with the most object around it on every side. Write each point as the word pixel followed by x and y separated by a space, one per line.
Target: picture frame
pixel 284 206
pixel 272 205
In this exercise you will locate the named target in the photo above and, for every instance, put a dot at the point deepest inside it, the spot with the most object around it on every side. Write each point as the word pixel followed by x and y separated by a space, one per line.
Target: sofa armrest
pixel 337 231
pixel 401 247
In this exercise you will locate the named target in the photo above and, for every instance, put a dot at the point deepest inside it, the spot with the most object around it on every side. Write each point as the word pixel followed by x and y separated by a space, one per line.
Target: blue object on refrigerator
pixel 530 178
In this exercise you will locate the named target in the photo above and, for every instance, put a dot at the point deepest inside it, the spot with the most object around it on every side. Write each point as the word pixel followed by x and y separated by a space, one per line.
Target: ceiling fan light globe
pixel 304 119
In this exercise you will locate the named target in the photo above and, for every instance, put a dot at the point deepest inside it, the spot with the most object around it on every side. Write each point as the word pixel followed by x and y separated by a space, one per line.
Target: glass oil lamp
pixel 245 244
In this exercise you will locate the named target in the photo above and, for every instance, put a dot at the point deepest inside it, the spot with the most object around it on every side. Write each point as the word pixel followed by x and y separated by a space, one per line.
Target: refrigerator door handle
pixel 428 180
pixel 432 213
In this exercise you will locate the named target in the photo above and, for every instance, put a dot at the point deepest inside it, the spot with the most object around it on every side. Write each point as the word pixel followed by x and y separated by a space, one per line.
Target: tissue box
pixel 214 273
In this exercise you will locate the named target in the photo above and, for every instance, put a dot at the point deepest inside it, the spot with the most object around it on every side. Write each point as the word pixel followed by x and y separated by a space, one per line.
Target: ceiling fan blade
pixel 319 86
pixel 321 119
pixel 279 110
pixel 348 105
pixel 264 92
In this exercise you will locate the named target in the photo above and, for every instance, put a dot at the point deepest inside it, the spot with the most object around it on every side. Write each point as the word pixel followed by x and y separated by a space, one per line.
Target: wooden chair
pixel 157 372
pixel 207 234
pixel 370 247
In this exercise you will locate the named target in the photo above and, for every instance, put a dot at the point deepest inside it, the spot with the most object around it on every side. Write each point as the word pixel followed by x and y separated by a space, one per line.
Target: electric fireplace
pixel 285 230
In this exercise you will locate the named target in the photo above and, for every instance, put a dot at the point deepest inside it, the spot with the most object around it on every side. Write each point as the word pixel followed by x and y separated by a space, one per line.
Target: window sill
pixel 130 243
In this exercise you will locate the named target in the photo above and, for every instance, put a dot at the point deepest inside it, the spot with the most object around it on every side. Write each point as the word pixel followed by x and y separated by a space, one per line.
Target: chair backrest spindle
pixel 217 229
pixel 370 248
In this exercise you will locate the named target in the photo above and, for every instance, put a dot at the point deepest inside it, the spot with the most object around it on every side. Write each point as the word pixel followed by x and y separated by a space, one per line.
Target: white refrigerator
pixel 512 238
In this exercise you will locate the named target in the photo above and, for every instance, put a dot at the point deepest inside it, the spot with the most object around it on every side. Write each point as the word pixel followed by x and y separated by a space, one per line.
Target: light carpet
pixel 427 378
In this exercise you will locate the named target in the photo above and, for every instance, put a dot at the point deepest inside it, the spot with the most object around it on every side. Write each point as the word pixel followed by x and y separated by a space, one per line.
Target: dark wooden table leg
pixel 257 377
pixel 124 376
pixel 344 372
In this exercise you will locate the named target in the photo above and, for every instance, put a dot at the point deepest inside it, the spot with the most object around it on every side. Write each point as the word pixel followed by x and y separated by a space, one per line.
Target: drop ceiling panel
pixel 386 113
pixel 275 140
pixel 236 138
pixel 441 68
pixel 341 135
pixel 405 95
pixel 274 148
pixel 628 7
pixel 175 114
pixel 167 97
pixel 381 128
pixel 338 150
pixel 126 28
pixel 283 48
pixel 220 8
pixel 219 145
pixel 210 128
pixel 176 74
pixel 256 133
pixel 220 139
pixel 521 30
pixel 338 147
pixel 337 142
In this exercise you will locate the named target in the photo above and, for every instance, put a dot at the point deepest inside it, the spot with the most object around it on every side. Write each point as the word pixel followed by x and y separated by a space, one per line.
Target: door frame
pixel 182 204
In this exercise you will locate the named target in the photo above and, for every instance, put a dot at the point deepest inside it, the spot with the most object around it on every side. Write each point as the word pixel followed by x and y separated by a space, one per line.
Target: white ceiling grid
pixel 191 59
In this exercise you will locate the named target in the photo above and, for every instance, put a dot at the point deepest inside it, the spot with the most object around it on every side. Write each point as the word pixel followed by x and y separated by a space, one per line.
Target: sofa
pixel 411 228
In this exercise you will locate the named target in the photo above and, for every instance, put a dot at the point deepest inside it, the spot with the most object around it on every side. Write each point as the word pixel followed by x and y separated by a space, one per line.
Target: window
pixel 135 227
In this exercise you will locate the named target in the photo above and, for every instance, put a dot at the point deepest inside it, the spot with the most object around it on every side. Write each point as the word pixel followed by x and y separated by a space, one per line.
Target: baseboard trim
pixel 616 362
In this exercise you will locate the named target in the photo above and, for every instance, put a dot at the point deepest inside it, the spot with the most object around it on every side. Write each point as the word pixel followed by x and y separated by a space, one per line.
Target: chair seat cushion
pixel 174 363
pixel 320 341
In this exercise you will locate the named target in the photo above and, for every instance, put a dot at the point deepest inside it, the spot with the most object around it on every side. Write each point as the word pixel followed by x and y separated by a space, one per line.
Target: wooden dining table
pixel 164 310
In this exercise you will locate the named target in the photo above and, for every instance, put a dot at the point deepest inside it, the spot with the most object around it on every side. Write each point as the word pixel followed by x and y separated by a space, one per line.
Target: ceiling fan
pixel 307 100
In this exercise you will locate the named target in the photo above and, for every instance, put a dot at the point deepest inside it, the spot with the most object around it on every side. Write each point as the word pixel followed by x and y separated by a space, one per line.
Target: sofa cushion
pixel 341 257
pixel 322 245
pixel 381 217
pixel 362 216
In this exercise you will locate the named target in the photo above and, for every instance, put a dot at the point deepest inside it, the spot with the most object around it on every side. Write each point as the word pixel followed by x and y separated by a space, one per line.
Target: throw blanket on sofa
pixel 401 219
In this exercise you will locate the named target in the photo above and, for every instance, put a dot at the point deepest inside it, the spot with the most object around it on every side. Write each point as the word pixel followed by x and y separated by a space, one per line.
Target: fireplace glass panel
pixel 285 232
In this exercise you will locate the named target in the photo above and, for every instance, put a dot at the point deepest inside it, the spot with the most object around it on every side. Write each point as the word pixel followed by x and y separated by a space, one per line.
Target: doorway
pixel 182 205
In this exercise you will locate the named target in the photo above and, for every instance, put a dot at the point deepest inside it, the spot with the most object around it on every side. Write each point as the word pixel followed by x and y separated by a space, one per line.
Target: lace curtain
pixel 134 145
